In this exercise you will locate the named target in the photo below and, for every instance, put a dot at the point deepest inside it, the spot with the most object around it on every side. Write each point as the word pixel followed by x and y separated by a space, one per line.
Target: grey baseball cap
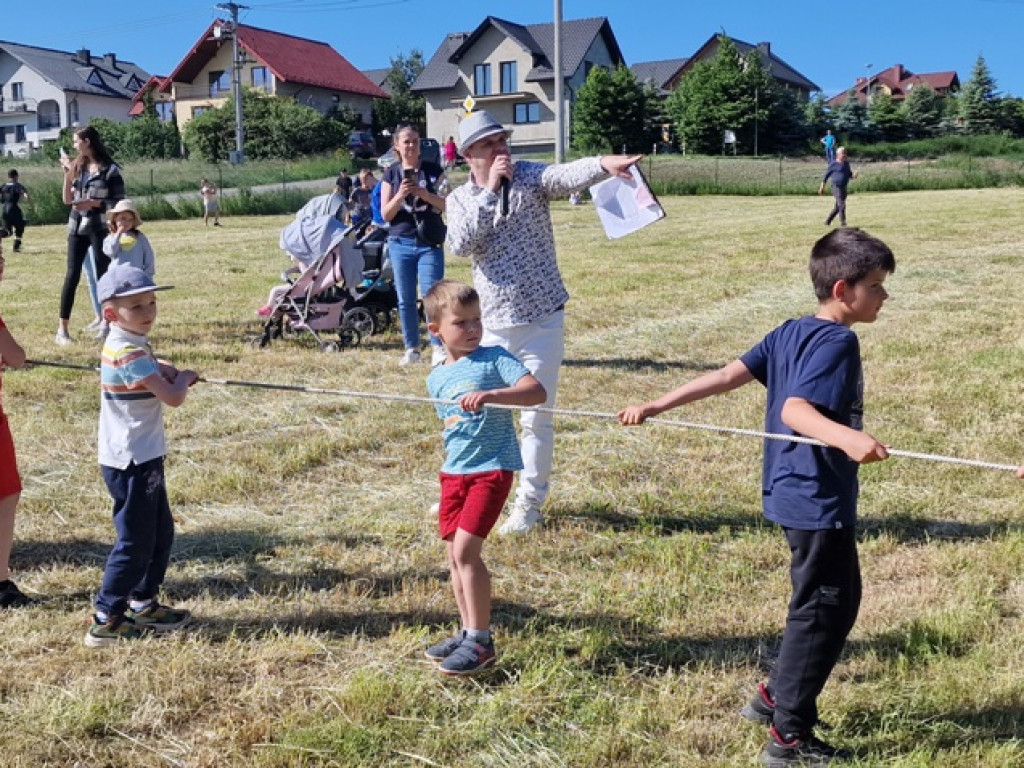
pixel 122 280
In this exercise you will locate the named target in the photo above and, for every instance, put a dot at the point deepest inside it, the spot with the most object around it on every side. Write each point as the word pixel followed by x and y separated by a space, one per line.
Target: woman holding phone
pixel 92 186
pixel 411 204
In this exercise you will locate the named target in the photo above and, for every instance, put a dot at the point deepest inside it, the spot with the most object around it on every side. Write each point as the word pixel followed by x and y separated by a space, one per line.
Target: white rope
pixel 563 412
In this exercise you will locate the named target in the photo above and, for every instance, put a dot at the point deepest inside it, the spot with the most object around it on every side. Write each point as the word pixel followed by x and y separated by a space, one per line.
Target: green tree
pixel 1011 116
pixel 816 118
pixel 888 118
pixel 923 111
pixel 979 102
pixel 404 106
pixel 735 93
pixel 610 113
pixel 274 128
pixel 851 120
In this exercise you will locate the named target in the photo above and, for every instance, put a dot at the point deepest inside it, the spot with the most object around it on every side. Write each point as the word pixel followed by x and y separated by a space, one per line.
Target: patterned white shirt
pixel 514 266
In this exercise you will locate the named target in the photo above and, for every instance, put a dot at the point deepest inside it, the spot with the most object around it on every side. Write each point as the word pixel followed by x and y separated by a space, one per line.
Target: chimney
pixel 765 49
pixel 84 56
pixel 110 61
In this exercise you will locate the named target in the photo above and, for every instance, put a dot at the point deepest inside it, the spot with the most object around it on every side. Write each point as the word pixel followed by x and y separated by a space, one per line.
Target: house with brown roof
pixel 310 72
pixel 898 81
pixel 508 68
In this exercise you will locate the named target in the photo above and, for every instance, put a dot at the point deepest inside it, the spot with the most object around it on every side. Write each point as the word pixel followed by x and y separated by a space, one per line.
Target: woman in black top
pixel 92 186
pixel 409 192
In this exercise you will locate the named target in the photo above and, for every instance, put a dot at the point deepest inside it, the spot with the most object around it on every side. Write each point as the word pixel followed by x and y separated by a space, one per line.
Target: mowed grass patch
pixel 631 627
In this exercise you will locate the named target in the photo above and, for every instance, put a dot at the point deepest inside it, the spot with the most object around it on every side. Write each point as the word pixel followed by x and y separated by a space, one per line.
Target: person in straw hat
pixel 501 220
pixel 126 245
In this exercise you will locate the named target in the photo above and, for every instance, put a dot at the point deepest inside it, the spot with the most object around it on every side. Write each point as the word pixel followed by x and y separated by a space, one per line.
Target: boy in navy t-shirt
pixel 482 455
pixel 811 368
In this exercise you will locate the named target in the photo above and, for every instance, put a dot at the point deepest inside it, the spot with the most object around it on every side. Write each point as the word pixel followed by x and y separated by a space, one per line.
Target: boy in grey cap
pixel 134 386
pixel 501 220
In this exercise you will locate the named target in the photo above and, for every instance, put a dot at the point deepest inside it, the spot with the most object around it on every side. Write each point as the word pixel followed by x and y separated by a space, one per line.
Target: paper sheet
pixel 625 206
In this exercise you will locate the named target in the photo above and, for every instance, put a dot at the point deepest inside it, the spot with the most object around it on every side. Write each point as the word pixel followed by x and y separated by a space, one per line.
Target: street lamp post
pixel 867 85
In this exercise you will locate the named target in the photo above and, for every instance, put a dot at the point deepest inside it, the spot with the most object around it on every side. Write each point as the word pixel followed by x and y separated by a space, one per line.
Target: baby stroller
pixel 341 286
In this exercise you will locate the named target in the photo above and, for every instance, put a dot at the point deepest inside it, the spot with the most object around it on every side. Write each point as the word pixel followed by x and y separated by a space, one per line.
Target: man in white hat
pixel 501 219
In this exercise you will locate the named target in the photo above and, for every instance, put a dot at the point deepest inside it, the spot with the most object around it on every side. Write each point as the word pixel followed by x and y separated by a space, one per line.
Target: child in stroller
pixel 340 281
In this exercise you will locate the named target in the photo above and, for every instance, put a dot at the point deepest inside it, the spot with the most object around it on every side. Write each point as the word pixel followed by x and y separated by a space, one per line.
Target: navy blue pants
pixel 145 531
pixel 825 574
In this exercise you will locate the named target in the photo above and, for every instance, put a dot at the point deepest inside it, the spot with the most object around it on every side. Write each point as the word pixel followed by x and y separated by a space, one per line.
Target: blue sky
pixel 830 43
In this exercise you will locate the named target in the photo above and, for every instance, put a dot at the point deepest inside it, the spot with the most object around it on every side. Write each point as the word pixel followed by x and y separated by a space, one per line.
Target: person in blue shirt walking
pixel 840 172
pixel 811 369
pixel 482 454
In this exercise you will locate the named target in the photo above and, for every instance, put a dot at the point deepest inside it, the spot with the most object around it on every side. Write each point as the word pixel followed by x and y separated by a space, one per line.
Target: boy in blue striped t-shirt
pixel 134 386
pixel 482 455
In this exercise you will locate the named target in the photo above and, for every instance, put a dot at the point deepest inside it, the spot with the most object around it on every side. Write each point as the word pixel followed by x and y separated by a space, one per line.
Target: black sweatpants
pixel 825 574
pixel 78 249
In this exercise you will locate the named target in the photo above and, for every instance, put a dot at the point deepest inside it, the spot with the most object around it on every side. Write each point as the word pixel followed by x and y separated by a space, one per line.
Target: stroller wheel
pixel 382 318
pixel 361 319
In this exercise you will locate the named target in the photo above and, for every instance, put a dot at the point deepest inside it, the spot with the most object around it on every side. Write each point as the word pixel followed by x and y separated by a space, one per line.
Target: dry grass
pixel 634 625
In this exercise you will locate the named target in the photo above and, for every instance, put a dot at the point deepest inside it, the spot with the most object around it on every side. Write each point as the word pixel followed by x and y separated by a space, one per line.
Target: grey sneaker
pixel 805 750
pixel 522 519
pixel 445 648
pixel 160 618
pixel 469 659
pixel 411 357
pixel 116 630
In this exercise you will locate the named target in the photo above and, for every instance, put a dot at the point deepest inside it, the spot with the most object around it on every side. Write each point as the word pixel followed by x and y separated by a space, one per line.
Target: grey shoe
pixel 469 658
pixel 441 651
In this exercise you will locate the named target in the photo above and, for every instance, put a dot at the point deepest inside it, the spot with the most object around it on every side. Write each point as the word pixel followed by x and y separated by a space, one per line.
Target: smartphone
pixel 411 175
pixel 63 153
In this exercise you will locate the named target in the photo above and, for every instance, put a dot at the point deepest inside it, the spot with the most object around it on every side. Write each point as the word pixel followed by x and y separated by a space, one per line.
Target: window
pixel 73 111
pixel 17 91
pixel 164 111
pixel 259 78
pixel 19 133
pixel 509 80
pixel 219 83
pixel 528 113
pixel 94 79
pixel 197 111
pixel 482 80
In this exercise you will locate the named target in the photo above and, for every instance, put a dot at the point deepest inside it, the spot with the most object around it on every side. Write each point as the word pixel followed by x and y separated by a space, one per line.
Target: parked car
pixel 361 144
pixel 430 152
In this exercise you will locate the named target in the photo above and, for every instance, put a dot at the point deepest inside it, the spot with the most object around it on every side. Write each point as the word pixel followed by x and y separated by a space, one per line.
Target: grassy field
pixel 635 624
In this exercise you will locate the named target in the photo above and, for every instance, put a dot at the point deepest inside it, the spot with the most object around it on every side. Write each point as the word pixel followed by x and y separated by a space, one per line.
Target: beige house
pixel 310 72
pixel 508 69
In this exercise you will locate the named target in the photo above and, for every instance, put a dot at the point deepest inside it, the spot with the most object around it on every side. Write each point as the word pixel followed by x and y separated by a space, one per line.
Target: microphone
pixel 506 187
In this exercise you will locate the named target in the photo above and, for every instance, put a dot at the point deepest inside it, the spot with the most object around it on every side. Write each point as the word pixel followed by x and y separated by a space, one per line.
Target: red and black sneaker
pixel 801 749
pixel 761 708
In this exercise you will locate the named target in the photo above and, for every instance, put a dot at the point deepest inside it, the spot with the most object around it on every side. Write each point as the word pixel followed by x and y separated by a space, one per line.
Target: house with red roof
pixel 310 72
pixel 898 81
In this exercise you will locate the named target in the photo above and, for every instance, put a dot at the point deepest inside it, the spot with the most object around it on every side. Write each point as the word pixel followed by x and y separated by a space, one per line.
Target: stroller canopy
pixel 310 238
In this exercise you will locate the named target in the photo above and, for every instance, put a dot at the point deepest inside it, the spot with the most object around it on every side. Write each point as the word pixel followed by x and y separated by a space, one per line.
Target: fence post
pixel 716 174
pixel 152 184
pixel 780 174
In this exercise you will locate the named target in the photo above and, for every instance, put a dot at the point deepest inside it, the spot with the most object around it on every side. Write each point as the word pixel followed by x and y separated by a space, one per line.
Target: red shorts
pixel 10 480
pixel 472 502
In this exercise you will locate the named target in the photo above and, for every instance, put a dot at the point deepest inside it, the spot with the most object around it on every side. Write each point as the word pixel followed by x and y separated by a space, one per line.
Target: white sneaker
pixel 435 508
pixel 93 325
pixel 102 332
pixel 63 338
pixel 437 355
pixel 522 519
pixel 410 356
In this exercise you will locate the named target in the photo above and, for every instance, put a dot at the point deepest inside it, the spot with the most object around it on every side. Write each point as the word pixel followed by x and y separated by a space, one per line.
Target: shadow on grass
pixel 939 730
pixel 641 364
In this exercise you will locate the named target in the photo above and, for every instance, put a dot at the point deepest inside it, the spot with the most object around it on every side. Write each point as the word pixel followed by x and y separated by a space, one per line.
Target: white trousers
pixel 540 346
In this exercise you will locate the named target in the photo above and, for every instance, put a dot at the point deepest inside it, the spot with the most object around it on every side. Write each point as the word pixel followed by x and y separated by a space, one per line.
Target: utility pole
pixel 237 60
pixel 559 87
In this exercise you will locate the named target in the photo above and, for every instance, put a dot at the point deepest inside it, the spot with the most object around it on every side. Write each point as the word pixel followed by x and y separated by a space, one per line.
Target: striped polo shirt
pixel 131 417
